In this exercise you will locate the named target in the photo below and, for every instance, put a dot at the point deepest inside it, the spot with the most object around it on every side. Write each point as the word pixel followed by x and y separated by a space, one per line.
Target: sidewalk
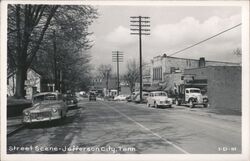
pixel 209 113
pixel 13 123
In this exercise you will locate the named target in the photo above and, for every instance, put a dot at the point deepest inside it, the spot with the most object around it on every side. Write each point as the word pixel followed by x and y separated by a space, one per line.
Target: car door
pixel 150 98
pixel 186 95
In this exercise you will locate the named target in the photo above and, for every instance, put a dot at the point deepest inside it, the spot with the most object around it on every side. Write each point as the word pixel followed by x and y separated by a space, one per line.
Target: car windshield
pixel 69 96
pixel 160 94
pixel 44 97
pixel 195 91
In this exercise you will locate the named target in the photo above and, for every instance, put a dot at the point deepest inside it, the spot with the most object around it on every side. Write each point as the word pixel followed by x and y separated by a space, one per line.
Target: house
pixel 32 84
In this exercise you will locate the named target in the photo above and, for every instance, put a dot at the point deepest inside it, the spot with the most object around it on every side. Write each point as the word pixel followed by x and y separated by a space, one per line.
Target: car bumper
pixel 72 105
pixel 164 104
pixel 30 119
pixel 200 103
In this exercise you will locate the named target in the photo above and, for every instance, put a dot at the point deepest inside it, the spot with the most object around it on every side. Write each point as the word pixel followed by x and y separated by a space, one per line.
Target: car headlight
pixel 54 110
pixel 26 113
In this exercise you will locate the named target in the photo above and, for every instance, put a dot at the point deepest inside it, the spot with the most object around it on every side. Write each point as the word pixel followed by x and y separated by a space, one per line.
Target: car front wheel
pixel 191 104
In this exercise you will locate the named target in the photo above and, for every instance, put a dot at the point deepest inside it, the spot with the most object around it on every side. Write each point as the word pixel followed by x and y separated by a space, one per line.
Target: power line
pixel 204 40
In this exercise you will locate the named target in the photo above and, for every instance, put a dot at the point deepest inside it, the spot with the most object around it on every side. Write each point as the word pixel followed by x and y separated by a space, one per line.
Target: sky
pixel 172 28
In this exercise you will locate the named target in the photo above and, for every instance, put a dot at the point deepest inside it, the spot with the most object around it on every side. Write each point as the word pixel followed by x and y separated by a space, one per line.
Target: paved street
pixel 120 127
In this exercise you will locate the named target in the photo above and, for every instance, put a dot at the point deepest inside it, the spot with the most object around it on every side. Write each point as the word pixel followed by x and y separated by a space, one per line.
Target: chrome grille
pixel 40 115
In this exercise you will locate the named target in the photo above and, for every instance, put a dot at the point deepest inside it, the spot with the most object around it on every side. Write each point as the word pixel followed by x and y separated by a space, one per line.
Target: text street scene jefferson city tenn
pixel 110 79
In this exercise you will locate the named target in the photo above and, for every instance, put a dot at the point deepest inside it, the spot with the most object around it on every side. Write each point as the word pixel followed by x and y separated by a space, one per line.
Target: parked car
pixel 136 98
pixel 47 106
pixel 109 98
pixel 83 94
pixel 159 99
pixel 129 98
pixel 120 98
pixel 92 96
pixel 70 100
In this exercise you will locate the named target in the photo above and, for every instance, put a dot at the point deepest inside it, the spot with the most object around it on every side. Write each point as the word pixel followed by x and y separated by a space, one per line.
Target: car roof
pixel 45 93
pixel 193 88
pixel 158 92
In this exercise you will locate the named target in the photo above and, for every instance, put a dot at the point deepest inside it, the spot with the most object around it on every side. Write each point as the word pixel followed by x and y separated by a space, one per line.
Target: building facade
pixel 146 78
pixel 223 85
pixel 165 69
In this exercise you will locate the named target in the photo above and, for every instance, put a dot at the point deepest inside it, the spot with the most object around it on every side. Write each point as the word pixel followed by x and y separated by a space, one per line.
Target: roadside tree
pixel 105 71
pixel 52 30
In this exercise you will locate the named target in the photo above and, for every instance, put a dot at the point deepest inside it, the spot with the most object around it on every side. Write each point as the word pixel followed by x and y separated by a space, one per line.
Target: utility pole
pixel 140 26
pixel 117 57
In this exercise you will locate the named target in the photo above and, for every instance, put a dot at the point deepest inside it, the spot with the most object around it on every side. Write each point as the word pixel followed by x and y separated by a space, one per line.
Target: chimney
pixel 202 62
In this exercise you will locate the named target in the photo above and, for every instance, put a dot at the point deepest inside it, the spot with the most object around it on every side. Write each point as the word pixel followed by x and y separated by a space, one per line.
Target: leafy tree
pixel 56 42
pixel 66 45
pixel 105 72
pixel 27 25
pixel 132 75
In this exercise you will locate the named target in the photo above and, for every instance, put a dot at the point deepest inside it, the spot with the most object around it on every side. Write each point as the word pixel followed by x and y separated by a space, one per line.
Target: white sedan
pixel 120 98
pixel 159 99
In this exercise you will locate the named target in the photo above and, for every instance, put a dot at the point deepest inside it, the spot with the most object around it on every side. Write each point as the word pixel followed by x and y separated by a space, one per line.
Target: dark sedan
pixel 70 100
pixel 92 96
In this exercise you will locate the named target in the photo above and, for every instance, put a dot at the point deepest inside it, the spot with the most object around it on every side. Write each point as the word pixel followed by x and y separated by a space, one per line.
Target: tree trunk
pixel 55 61
pixel 20 80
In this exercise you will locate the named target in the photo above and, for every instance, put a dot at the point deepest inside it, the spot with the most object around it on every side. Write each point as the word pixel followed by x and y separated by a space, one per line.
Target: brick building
pixel 166 70
pixel 223 85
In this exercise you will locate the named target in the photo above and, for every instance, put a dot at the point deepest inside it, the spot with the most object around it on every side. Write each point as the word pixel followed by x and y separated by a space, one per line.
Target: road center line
pixel 147 129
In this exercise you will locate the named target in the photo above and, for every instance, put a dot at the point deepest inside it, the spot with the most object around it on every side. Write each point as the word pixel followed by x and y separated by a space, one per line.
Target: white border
pixel 124 157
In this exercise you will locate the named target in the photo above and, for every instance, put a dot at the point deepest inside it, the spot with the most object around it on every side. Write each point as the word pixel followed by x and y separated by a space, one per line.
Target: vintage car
pixel 47 106
pixel 129 98
pixel 70 100
pixel 92 96
pixel 159 99
pixel 136 98
pixel 120 98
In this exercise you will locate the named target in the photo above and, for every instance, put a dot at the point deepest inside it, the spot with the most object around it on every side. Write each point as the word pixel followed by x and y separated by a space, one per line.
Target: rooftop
pixel 165 56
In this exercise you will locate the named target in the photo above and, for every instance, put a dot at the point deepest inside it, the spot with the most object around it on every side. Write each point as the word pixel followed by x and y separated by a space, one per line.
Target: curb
pixel 15 130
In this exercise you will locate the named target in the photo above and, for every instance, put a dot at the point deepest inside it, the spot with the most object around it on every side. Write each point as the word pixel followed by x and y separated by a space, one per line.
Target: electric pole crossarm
pixel 134 33
pixel 133 17
pixel 141 25
pixel 139 21
pixel 139 29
